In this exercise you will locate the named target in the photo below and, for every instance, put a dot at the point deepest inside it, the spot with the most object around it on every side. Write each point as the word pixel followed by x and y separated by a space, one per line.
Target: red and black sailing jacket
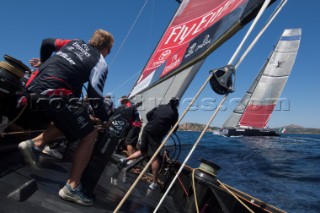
pixel 64 73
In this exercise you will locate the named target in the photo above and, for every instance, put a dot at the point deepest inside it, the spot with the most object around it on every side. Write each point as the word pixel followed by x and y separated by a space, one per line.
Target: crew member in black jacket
pixel 55 89
pixel 160 120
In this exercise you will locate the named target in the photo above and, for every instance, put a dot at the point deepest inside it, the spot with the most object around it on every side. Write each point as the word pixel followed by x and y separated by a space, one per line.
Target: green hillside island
pixel 290 129
pixel 195 127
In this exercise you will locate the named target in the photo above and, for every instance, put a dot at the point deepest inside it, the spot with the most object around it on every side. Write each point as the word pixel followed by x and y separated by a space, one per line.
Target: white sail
pixel 257 105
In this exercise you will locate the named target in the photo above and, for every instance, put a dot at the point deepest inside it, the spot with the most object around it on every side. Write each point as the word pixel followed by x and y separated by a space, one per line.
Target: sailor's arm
pixel 48 46
pixel 95 92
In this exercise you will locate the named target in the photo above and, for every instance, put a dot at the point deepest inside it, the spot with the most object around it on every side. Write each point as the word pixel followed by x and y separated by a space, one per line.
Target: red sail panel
pixel 257 115
pixel 192 19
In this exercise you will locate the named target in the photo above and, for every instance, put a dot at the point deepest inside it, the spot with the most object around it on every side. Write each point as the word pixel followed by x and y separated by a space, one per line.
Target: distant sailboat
pixel 252 114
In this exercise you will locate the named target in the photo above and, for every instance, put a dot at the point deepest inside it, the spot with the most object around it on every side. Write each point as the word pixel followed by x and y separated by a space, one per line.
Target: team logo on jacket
pixel 117 127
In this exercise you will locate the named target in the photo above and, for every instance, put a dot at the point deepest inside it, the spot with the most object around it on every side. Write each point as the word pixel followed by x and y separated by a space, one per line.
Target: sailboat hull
pixel 249 132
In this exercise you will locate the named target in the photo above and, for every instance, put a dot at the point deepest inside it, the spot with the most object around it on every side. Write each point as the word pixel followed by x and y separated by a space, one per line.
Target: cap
pixel 123 99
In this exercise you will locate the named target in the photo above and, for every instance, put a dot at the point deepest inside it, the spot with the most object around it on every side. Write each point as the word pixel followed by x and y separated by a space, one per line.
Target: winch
pixel 11 71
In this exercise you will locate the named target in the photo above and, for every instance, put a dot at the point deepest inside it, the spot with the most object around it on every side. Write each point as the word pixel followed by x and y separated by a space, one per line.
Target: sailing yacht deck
pixel 52 176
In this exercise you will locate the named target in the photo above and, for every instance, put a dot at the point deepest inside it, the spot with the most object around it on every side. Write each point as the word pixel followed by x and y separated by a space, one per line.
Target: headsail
pixel 257 105
pixel 198 28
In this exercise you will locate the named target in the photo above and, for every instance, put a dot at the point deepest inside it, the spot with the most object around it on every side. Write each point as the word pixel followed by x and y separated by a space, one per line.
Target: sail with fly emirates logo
pixel 175 49
pixel 180 35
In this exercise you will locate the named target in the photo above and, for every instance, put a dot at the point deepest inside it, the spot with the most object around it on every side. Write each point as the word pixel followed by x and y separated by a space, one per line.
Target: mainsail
pixel 197 29
pixel 257 105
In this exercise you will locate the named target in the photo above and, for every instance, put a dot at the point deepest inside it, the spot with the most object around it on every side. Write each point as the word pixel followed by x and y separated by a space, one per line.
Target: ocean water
pixel 282 171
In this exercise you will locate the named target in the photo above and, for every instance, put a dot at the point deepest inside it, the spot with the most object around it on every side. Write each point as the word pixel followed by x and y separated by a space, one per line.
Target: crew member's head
pixel 174 102
pixel 103 41
pixel 124 100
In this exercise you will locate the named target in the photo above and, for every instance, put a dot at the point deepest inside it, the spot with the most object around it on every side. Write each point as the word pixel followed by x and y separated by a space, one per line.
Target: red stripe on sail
pixel 257 115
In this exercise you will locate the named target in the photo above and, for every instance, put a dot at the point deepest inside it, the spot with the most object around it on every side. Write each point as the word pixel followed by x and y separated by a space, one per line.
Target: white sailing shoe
pixel 77 195
pixel 52 152
pixel 27 149
pixel 155 187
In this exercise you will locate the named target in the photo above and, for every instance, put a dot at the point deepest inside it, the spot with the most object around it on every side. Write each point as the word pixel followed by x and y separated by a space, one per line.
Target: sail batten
pixel 257 105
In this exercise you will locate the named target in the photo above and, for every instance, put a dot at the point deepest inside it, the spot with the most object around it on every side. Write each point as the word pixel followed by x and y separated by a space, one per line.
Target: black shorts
pixel 73 120
pixel 133 136
pixel 149 143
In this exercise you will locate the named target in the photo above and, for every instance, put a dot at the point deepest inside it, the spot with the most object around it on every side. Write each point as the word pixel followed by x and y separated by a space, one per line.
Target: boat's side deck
pixel 52 176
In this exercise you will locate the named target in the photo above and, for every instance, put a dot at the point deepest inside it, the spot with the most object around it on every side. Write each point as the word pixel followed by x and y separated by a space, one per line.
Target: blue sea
pixel 282 171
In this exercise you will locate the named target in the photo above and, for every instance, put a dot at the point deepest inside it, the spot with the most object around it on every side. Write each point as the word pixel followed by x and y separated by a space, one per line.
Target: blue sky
pixel 26 23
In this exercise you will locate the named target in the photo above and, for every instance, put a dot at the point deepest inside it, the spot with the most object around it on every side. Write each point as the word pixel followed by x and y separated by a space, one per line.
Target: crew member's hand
pixel 35 62
pixel 95 120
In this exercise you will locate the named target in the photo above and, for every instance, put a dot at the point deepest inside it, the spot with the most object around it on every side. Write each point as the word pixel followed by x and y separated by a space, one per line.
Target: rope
pixel 161 146
pixel 30 131
pixel 233 194
pixel 122 44
pixel 183 187
pixel 191 151
pixel 163 161
pixel 249 196
pixel 22 132
pixel 262 9
pixel 128 33
pixel 272 17
pixel 194 191
pixel 194 185
pixel 184 113
pixel 16 118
